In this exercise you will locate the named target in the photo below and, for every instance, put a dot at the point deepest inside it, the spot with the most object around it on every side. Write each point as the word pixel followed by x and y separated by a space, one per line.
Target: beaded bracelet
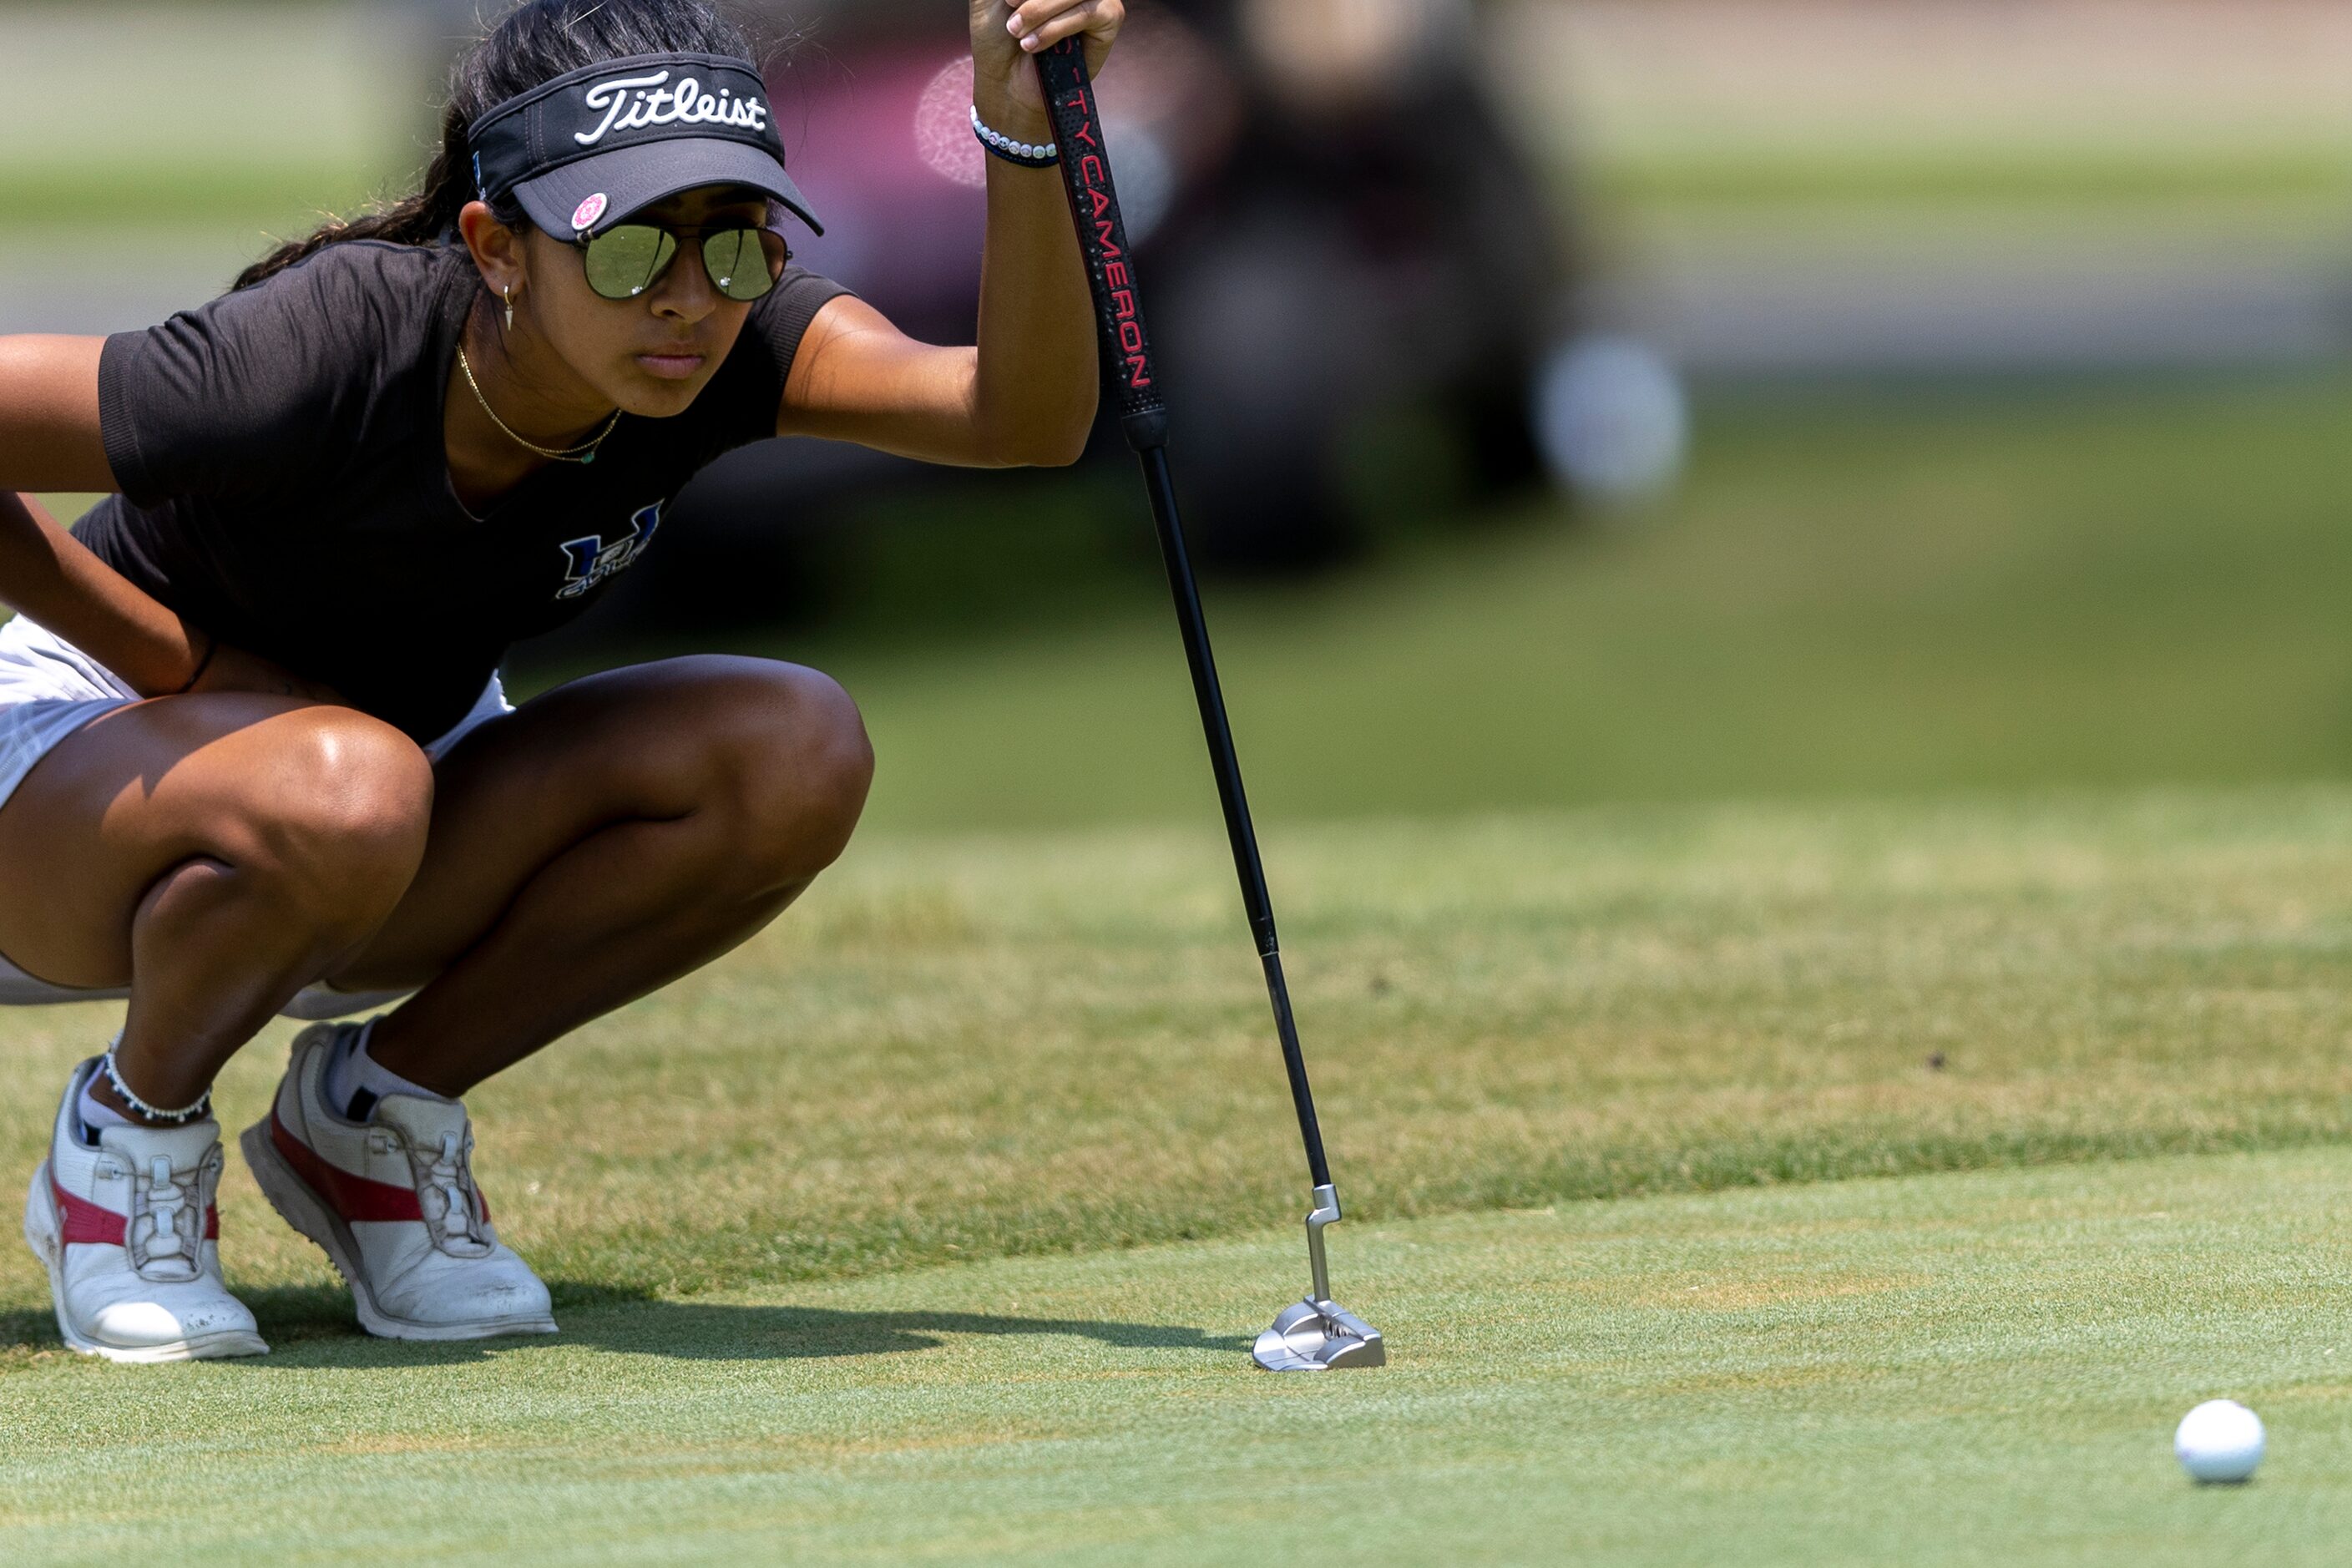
pixel 1028 154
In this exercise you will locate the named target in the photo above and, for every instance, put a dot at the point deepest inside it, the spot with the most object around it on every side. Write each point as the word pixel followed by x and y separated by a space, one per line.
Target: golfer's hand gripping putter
pixel 1314 1334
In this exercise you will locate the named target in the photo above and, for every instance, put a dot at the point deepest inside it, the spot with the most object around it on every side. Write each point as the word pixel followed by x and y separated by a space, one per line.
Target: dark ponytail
pixel 538 41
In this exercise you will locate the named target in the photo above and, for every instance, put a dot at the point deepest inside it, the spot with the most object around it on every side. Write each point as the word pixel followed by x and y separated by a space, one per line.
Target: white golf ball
pixel 2221 1440
pixel 1611 419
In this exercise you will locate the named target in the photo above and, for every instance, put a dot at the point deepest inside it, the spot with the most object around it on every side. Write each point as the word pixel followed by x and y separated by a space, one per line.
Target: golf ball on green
pixel 2221 1440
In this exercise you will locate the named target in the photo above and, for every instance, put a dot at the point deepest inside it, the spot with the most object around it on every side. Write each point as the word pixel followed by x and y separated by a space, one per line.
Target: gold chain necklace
pixel 583 453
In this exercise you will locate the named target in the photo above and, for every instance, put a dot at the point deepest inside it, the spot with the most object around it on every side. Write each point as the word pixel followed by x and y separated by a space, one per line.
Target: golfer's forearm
pixel 1037 378
pixel 50 575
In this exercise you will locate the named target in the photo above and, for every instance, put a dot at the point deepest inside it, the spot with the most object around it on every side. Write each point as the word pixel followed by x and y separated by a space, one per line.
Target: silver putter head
pixel 1319 1336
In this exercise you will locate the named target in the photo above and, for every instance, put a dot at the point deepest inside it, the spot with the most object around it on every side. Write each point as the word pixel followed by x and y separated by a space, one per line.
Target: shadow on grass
pixel 29 1329
pixel 312 1326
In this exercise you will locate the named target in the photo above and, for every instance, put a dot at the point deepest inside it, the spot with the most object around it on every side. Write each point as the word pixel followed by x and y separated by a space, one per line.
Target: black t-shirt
pixel 286 485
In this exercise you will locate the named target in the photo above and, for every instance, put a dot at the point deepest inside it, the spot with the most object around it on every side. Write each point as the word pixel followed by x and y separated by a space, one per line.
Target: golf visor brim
pixel 633 178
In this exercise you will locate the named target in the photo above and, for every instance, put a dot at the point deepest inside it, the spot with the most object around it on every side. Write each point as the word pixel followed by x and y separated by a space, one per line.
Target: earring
pixel 509 298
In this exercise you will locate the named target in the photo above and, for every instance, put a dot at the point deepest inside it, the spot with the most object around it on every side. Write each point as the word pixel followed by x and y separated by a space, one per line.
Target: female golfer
pixel 253 755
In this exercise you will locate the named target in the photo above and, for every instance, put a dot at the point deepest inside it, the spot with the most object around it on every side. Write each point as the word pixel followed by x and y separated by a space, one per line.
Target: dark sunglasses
pixel 628 258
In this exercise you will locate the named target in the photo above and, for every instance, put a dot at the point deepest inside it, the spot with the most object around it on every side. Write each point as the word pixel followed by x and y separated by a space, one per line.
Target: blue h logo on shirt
pixel 588 562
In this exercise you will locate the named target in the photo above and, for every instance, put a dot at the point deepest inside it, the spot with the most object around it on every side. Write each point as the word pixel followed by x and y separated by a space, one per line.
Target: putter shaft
pixel 1240 832
pixel 1315 1333
pixel 1132 375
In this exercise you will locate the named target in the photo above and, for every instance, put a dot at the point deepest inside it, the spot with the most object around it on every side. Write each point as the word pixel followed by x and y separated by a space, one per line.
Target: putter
pixel 1314 1334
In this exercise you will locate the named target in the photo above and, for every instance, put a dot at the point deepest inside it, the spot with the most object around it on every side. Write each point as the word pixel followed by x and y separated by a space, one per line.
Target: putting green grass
pixel 1949 1369
pixel 975 1046
pixel 1037 1064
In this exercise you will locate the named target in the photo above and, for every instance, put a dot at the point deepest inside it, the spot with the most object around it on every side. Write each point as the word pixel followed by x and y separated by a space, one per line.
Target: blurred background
pixel 1577 400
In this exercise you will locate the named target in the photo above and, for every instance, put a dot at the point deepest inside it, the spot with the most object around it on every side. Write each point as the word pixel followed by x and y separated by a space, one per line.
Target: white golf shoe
pixel 131 1238
pixel 391 1202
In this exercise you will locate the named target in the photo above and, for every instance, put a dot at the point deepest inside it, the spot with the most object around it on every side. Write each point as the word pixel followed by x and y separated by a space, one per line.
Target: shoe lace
pixel 444 1192
pixel 166 1234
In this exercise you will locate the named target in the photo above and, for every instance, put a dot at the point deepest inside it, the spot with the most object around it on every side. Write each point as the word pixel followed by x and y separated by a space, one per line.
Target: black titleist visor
pixel 586 149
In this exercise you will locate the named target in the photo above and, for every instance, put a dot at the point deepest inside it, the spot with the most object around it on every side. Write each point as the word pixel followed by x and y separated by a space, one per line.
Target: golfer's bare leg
pixel 226 849
pixel 612 836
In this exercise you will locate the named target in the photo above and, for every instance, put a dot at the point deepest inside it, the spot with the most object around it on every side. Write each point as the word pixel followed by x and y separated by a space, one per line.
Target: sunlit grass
pixel 1939 1369
pixel 2080 177
pixel 269 195
pixel 1032 1043
pixel 1908 590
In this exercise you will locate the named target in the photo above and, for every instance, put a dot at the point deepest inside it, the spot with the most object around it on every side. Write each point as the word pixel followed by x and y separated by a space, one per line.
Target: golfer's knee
pixel 790 764
pixel 336 825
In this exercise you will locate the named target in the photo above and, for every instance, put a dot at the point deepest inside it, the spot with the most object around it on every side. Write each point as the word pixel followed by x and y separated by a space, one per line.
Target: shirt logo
pixel 588 562
pixel 635 102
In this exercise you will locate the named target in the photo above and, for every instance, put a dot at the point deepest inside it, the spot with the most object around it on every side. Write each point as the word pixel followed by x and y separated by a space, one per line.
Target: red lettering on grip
pixel 1094 175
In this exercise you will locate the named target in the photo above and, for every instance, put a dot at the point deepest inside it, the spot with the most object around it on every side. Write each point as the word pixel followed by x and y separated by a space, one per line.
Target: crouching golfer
pixel 254 753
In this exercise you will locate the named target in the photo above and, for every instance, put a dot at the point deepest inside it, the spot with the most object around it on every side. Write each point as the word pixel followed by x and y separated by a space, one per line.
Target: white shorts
pixel 48 690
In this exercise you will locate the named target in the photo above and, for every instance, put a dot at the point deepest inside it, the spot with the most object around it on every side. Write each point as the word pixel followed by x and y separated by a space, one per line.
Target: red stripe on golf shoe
pixel 355 1197
pixel 84 1223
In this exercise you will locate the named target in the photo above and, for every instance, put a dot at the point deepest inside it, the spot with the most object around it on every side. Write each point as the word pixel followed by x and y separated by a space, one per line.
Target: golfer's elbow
pixel 1077 425
pixel 1066 447
pixel 1044 438
pixel 1053 450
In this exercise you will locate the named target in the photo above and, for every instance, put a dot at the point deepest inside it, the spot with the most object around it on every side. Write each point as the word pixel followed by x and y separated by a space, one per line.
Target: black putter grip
pixel 1128 368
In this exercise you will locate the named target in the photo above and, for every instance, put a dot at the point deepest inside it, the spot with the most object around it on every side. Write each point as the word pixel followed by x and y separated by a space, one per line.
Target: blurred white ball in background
pixel 2221 1440
pixel 1610 417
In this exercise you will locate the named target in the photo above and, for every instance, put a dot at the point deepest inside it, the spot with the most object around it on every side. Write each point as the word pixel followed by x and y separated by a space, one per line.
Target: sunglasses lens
pixel 626 261
pixel 744 263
